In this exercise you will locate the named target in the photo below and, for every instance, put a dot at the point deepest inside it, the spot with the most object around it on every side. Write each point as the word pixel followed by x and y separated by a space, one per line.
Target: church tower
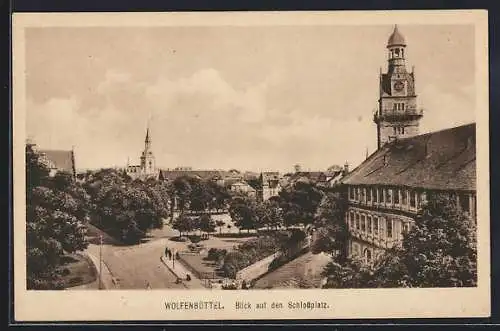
pixel 148 166
pixel 397 115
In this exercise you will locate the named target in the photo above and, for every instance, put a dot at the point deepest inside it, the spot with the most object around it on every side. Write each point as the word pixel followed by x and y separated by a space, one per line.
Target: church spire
pixel 147 141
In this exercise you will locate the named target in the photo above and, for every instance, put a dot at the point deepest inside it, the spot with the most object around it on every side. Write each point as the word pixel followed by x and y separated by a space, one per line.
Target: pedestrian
pixel 148 286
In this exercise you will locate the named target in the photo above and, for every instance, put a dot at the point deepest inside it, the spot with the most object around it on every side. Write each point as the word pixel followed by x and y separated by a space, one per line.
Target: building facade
pixel 386 191
pixel 270 185
pixel 243 187
pixel 397 115
pixel 147 167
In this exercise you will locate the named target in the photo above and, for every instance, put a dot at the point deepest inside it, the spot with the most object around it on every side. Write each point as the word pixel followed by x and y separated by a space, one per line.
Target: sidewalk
pixel 107 279
pixel 179 270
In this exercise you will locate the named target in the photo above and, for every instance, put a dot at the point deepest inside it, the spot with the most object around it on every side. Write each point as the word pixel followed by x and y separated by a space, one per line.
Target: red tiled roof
pixel 60 159
pixel 438 160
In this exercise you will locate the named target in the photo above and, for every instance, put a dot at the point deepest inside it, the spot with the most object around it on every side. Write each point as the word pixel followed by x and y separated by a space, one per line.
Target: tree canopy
pixel 439 251
pixel 56 209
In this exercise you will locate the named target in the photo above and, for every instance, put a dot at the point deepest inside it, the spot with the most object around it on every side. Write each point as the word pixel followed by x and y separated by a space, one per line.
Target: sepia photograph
pixel 282 160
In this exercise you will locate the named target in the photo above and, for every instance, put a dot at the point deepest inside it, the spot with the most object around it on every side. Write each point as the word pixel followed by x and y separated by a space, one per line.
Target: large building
pixel 147 167
pixel 386 191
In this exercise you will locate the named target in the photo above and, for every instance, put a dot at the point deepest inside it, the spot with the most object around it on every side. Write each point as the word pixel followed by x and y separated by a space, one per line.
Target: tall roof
pixel 396 38
pixel 59 159
pixel 438 160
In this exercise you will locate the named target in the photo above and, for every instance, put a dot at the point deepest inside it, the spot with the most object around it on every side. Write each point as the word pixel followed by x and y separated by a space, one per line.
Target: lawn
pixel 77 270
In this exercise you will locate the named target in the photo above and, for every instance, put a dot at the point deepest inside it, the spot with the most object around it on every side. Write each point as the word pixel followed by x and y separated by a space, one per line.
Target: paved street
pixel 135 266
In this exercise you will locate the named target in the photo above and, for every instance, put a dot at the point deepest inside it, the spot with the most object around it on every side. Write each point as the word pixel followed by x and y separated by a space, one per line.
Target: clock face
pixel 399 85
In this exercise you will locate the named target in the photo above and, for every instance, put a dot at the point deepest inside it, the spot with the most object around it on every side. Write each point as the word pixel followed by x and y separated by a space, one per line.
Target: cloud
pixel 446 109
pixel 202 120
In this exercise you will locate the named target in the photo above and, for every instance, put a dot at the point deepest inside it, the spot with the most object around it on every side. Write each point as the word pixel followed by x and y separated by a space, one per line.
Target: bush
pixel 216 254
pixel 195 239
pixel 248 253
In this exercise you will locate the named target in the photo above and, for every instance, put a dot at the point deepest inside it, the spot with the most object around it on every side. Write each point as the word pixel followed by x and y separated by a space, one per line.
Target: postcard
pixel 250 165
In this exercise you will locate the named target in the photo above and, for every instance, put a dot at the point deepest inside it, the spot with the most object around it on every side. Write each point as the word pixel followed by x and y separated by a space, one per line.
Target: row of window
pixel 404 197
pixel 379 227
pixel 387 196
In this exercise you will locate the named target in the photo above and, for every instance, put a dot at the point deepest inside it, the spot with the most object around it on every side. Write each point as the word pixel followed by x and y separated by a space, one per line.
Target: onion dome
pixel 396 38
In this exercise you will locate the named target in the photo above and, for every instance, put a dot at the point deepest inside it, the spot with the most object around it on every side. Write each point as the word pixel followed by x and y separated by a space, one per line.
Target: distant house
pixel 316 177
pixel 270 185
pixel 243 187
pixel 58 160
pixel 334 174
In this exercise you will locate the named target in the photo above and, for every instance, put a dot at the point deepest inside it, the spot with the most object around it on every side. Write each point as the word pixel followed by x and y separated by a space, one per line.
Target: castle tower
pixel 397 115
pixel 148 166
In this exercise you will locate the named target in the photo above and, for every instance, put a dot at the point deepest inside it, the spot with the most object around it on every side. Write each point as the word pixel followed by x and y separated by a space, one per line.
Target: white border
pixel 148 305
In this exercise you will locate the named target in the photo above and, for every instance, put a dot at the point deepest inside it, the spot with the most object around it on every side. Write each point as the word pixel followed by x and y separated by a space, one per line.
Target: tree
pixel 126 209
pixel 441 248
pixel 199 197
pixel 206 224
pixel 269 214
pixel 55 222
pixel 354 273
pixel 182 224
pixel 219 196
pixel 439 251
pixel 182 189
pixel 299 203
pixel 243 212
pixel 330 230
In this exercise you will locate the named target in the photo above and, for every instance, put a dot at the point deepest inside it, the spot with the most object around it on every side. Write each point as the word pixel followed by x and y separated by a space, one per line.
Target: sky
pixel 252 98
